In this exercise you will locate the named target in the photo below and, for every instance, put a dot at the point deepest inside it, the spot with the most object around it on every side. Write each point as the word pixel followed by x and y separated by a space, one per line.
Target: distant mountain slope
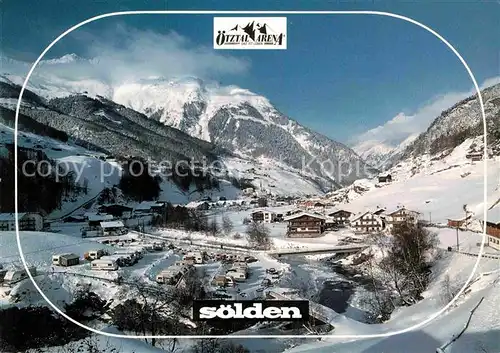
pixel 243 122
pixel 115 128
pixel 102 125
pixel 382 155
pixel 458 123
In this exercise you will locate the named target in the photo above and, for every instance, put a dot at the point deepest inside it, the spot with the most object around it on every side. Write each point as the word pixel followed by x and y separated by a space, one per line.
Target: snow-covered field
pixel 482 334
pixel 439 193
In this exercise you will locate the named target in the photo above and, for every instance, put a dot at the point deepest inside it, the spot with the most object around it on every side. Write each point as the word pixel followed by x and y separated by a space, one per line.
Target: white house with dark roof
pixel 113 227
pixel 263 216
pixel 305 225
pixel 94 220
pixel 367 222
pixel 401 215
pixel 148 207
pixel 27 221
pixel 198 205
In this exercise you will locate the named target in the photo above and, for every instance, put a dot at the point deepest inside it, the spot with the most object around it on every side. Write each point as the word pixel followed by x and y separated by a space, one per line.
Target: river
pixel 329 284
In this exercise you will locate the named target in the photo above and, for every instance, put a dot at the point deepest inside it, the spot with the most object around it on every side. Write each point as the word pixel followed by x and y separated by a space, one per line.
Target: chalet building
pixel 198 205
pixel 494 241
pixel 493 229
pixel 402 215
pixel 305 225
pixel 148 207
pixel 319 205
pixel 95 219
pixel 459 222
pixel 116 210
pixel 263 216
pixel 493 232
pixel 384 178
pixel 474 156
pixel 294 211
pixel 379 211
pixel 340 217
pixel 308 204
pixel 367 222
pixel 27 221
pixel 113 228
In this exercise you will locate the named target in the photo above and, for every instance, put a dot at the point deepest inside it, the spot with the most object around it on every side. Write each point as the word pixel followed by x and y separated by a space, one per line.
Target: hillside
pixel 99 124
pixel 459 122
pixel 243 122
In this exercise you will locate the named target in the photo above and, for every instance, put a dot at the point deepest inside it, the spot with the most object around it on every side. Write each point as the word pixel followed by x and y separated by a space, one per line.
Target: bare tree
pixel 213 228
pixel 227 225
pixel 466 211
pixel 258 235
pixel 448 290
pixel 150 313
pixel 407 264
pixel 379 302
pixel 193 288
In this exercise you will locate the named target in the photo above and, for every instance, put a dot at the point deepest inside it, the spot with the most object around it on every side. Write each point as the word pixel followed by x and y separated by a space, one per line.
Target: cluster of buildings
pixel 206 203
pixel 492 226
pixel 113 219
pixel 173 274
pixel 33 221
pixel 313 223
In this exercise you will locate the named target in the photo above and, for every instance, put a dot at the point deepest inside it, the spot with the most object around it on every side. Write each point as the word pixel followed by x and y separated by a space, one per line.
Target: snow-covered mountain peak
pixel 238 120
pixel 65 59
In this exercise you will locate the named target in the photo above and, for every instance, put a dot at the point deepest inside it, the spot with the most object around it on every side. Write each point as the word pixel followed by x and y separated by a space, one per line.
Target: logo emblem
pixel 250 33
pixel 251 310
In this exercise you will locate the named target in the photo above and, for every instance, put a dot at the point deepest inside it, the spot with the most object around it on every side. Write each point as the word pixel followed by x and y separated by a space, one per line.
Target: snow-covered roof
pixel 301 214
pixel 338 210
pixel 115 204
pixel 379 210
pixel 358 216
pixel 112 224
pixel 394 210
pixel 265 210
pixel 69 256
pixel 10 217
pixel 147 205
pixel 195 204
pixel 100 217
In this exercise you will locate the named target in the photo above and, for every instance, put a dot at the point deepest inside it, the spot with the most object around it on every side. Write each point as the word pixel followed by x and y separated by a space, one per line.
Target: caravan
pixel 236 275
pixel 129 255
pixel 104 265
pixel 95 254
pixel 16 275
pixel 65 260
pixel 194 257
pixel 120 260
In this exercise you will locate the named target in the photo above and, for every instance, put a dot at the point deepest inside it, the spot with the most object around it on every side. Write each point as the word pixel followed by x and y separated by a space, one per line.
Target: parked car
pixel 271 270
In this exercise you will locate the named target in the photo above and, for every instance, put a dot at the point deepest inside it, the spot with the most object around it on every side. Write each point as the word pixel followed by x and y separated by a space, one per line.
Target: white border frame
pixel 207 12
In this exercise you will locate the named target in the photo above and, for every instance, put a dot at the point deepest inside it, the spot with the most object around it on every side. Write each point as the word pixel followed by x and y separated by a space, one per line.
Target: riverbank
pixel 330 283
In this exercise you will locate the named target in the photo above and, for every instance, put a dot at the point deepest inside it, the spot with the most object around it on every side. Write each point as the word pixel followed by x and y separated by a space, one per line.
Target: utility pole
pixel 430 218
pixel 458 248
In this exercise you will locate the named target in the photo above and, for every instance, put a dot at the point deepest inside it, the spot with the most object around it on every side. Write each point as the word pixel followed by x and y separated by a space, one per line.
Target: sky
pixel 351 78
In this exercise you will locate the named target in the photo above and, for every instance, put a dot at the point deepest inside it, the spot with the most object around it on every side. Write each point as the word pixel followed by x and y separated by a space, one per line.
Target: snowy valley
pixel 254 225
